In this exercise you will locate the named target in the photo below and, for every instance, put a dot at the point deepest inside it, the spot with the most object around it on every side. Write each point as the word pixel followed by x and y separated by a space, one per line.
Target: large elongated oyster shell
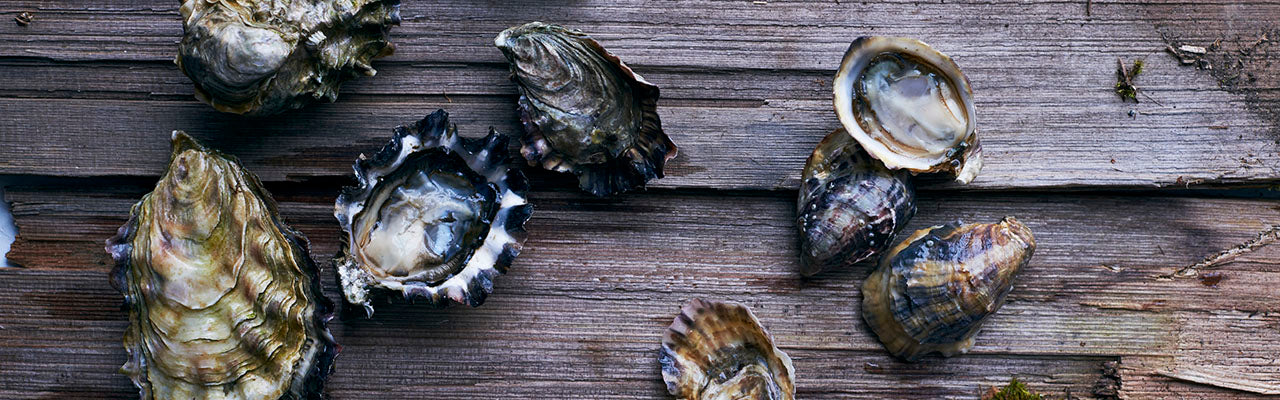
pixel 435 216
pixel 583 110
pixel 933 291
pixel 258 57
pixel 223 297
pixel 850 205
pixel 909 106
pixel 716 350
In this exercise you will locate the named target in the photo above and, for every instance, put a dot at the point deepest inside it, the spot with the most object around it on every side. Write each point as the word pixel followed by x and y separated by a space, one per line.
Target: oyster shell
pixel 583 110
pixel 223 297
pixel 909 106
pixel 933 291
pixel 258 57
pixel 850 205
pixel 435 216
pixel 716 350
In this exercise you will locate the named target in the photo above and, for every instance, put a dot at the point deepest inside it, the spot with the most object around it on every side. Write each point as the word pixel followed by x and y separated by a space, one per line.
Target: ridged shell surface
pixel 719 350
pixel 932 292
pixel 850 206
pixel 223 298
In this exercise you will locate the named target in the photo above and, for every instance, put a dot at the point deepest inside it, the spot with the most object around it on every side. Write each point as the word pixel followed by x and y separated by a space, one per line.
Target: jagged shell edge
pixel 488 157
pixel 120 249
pixel 671 372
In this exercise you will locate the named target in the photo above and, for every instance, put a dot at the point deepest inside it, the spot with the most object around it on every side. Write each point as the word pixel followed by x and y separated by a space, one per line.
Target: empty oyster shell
pixel 909 106
pixel 258 57
pixel 223 297
pixel 583 110
pixel 850 205
pixel 435 216
pixel 717 350
pixel 933 291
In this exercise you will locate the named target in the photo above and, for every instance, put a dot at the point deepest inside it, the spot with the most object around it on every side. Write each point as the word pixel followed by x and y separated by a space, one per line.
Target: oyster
pixel 435 216
pixel 717 350
pixel 583 110
pixel 223 297
pixel 933 291
pixel 257 57
pixel 850 205
pixel 909 106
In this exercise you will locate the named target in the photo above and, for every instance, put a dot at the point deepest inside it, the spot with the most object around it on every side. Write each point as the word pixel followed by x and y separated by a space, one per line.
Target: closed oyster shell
pixel 258 57
pixel 933 291
pixel 850 205
pixel 223 297
pixel 718 350
pixel 909 106
pixel 583 110
pixel 435 217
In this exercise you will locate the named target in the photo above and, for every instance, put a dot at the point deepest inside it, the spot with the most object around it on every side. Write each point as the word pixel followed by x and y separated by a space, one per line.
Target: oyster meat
pixel 435 216
pixel 850 205
pixel 933 291
pixel 583 110
pixel 224 300
pixel 718 350
pixel 909 106
pixel 258 57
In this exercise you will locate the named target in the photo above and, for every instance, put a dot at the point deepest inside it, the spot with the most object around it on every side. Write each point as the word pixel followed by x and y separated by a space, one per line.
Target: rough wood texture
pixel 88 95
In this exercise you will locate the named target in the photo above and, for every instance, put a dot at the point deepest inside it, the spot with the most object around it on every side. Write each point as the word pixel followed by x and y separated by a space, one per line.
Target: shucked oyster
pixel 223 297
pixel 909 106
pixel 717 350
pixel 258 57
pixel 583 110
pixel 435 216
pixel 933 291
pixel 850 205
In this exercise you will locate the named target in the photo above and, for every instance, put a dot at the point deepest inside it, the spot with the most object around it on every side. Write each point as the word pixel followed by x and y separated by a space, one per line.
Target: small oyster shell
pixel 909 106
pixel 716 350
pixel 850 205
pixel 258 57
pixel 223 297
pixel 933 291
pixel 583 110
pixel 435 216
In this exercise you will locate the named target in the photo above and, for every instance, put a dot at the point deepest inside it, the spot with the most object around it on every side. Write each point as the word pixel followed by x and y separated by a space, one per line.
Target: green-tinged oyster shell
pixel 583 110
pixel 933 291
pixel 223 297
pixel 719 351
pixel 258 57
pixel 435 217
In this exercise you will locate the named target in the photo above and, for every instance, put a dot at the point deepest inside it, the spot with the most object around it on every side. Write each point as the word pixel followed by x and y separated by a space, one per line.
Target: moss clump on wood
pixel 1015 390
pixel 1124 80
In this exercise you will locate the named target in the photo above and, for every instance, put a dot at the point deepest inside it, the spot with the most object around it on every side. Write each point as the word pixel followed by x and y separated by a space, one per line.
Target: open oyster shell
pixel 223 297
pixel 716 350
pixel 583 110
pixel 933 291
pixel 435 216
pixel 850 205
pixel 258 57
pixel 909 106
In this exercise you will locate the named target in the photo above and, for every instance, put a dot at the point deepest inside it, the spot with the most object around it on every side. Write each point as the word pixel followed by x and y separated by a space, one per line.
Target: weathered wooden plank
pixel 1094 288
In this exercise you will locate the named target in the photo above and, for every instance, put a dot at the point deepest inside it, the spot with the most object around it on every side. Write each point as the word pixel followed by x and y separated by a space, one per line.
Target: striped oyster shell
pixel 718 350
pixel 850 206
pixel 224 300
pixel 933 291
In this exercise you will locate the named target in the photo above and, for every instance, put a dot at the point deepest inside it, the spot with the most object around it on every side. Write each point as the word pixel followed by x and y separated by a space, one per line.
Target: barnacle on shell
pixel 435 216
pixel 258 57
pixel 718 350
pixel 583 110
pixel 224 300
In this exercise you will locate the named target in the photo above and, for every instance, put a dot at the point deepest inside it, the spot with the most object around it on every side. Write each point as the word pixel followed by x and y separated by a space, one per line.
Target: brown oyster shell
pixel 223 298
pixel 933 291
pixel 258 57
pixel 718 350
pixel 583 110
pixel 850 206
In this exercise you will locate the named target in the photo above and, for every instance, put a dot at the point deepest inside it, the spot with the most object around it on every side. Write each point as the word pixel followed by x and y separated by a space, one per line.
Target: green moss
pixel 1015 390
